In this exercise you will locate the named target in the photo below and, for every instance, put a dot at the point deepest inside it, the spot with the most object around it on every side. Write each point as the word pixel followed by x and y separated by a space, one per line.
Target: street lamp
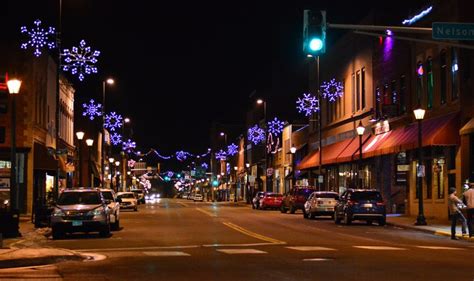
pixel 80 136
pixel 14 89
pixel 111 161
pixel 89 143
pixel 117 175
pixel 109 81
pixel 420 220
pixel 360 131
pixel 293 151
pixel 268 182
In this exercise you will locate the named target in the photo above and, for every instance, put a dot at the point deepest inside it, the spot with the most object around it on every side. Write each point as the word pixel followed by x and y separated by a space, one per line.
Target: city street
pixel 177 239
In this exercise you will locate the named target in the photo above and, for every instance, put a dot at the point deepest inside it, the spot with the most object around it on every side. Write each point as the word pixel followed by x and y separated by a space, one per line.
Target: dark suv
pixel 360 204
pixel 295 199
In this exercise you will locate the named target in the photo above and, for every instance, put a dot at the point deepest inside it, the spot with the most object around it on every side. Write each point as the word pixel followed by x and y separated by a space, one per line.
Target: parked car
pixel 128 200
pixel 256 199
pixel 270 200
pixel 198 197
pixel 80 210
pixel 295 199
pixel 114 206
pixel 140 195
pixel 360 204
pixel 320 203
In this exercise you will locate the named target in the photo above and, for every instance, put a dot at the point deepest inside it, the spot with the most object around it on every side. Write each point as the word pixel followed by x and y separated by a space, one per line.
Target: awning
pixel 468 128
pixel 43 159
pixel 347 155
pixel 65 166
pixel 440 131
pixel 329 155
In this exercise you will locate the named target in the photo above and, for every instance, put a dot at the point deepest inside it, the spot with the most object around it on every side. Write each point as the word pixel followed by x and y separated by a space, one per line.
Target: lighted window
pixel 442 74
pixel 419 82
pixel 401 95
pixel 438 171
pixel 378 100
pixel 429 82
pixel 454 74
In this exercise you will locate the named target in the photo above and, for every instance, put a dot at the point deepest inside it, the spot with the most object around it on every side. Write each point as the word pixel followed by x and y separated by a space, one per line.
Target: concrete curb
pixel 12 258
pixel 430 231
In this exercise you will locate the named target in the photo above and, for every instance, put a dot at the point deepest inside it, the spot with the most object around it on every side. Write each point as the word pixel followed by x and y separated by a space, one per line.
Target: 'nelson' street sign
pixel 453 30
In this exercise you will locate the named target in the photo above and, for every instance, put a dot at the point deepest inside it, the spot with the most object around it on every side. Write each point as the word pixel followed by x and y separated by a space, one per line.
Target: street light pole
pixel 109 81
pixel 320 124
pixel 420 219
pixel 14 89
pixel 89 143
pixel 80 136
pixel 293 151
pixel 360 131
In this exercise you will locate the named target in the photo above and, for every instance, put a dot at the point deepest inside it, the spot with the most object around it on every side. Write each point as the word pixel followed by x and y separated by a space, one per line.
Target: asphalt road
pixel 182 240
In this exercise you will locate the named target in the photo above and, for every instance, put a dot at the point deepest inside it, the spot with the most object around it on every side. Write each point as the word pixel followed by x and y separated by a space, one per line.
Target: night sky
pixel 179 67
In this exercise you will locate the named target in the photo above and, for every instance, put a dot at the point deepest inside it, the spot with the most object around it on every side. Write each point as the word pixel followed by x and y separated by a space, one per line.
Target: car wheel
pixel 105 232
pixel 136 209
pixel 305 214
pixel 337 220
pixel 382 221
pixel 283 210
pixel 57 234
pixel 369 222
pixel 311 215
pixel 347 219
pixel 292 209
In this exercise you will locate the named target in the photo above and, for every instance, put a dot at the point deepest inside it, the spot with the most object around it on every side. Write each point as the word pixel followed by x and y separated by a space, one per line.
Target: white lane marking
pixel 439 248
pixel 206 212
pixel 167 254
pixel 241 251
pixel 137 248
pixel 183 204
pixel 310 248
pixel 317 259
pixel 239 245
pixel 380 248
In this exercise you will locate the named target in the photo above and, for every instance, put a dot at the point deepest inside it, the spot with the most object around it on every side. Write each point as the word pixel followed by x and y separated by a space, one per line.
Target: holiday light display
pixel 80 60
pixel 332 90
pixel 92 109
pixel 113 121
pixel 308 104
pixel 232 149
pixel 39 38
pixel 275 126
pixel 115 139
pixel 256 134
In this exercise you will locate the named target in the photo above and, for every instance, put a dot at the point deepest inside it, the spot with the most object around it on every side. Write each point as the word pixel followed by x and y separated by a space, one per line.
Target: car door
pixel 308 205
pixel 340 204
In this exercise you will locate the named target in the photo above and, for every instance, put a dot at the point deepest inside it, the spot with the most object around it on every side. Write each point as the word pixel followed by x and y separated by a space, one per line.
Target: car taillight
pixel 320 202
pixel 381 203
pixel 352 202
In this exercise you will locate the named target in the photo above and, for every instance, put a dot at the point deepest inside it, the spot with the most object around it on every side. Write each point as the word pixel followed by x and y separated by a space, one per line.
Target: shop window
pixel 401 94
pixel 429 82
pixel 454 74
pixel 428 180
pixel 442 73
pixel 438 172
pixel 378 101
pixel 363 88
pixel 419 82
pixel 452 158
pixel 387 100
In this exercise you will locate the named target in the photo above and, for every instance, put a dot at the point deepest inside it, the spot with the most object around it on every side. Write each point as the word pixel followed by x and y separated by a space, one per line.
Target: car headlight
pixel 58 213
pixel 97 212
pixel 147 197
pixel 158 195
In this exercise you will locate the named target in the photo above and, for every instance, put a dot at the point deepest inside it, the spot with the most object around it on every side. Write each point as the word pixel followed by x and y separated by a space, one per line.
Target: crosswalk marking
pixel 310 248
pixel 241 251
pixel 166 254
pixel 380 248
pixel 439 248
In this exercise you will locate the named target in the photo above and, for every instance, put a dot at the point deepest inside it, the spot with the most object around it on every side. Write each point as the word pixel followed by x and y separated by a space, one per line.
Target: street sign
pixel 453 31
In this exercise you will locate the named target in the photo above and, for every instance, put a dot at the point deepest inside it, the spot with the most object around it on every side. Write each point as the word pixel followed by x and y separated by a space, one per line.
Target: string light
pixel 91 109
pixel 232 149
pixel 204 166
pixel 256 134
pixel 275 126
pixel 129 145
pixel 38 38
pixel 308 104
pixel 221 155
pixel 332 90
pixel 80 60
pixel 115 139
pixel 113 121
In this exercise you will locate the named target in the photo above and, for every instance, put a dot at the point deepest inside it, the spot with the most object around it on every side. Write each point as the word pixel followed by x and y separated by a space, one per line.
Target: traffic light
pixel 314 32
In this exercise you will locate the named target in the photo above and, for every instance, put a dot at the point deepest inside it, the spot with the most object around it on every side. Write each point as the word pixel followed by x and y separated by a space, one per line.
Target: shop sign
pixel 382 127
pixel 403 168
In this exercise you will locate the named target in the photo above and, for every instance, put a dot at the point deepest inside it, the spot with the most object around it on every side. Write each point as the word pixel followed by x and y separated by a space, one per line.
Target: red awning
pixel 440 131
pixel 348 154
pixel 329 155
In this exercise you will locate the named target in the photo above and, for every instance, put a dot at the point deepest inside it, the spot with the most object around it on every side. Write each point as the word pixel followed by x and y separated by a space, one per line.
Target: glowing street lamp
pixel 420 219
pixel 360 131
pixel 14 89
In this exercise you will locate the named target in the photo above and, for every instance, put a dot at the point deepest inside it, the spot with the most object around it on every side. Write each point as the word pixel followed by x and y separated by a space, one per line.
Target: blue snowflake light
pixel 170 174
pixel 275 126
pixel 221 155
pixel 232 149
pixel 332 90
pixel 181 155
pixel 256 134
pixel 80 60
pixel 129 145
pixel 91 109
pixel 38 38
pixel 308 104
pixel 115 139
pixel 204 166
pixel 113 121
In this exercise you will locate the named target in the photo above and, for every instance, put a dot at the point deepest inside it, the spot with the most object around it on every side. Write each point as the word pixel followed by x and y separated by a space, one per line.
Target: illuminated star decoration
pixel 91 109
pixel 275 126
pixel 115 139
pixel 129 145
pixel 256 134
pixel 204 166
pixel 232 149
pixel 181 155
pixel 80 60
pixel 131 163
pixel 38 38
pixel 332 90
pixel 113 121
pixel 308 104
pixel 221 155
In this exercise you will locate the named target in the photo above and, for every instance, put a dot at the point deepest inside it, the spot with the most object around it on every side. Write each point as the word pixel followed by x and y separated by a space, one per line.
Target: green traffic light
pixel 316 44
pixel 215 183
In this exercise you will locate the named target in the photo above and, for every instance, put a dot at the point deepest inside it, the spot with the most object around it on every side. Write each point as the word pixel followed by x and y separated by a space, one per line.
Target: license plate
pixel 367 205
pixel 76 223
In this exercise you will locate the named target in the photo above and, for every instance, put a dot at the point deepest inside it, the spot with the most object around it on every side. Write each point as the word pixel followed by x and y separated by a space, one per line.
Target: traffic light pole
pixel 320 124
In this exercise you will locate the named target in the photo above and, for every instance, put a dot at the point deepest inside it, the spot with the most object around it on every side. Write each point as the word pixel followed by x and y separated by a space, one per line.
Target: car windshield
pixel 126 195
pixel 366 195
pixel 85 198
pixel 107 195
pixel 304 192
pixel 326 195
pixel 274 195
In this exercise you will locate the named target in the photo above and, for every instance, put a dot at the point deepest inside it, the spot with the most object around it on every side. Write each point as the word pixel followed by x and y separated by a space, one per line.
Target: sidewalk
pixel 434 226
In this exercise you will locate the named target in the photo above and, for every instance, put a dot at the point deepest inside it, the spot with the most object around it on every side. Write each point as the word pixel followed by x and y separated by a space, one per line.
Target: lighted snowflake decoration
pixel 80 60
pixel 170 174
pixel 308 104
pixel 204 166
pixel 275 126
pixel 181 155
pixel 232 149
pixel 91 109
pixel 113 121
pixel 129 145
pixel 227 168
pixel 115 139
pixel 332 90
pixel 221 155
pixel 39 38
pixel 256 134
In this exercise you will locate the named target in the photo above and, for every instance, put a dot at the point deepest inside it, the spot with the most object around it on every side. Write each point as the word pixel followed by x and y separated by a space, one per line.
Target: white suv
pixel 114 206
